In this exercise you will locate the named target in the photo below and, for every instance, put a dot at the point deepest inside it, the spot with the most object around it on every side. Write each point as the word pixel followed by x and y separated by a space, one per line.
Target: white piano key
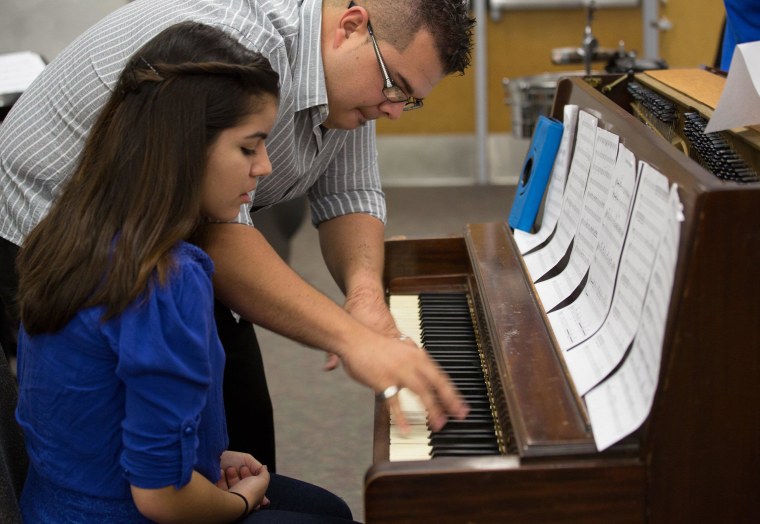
pixel 402 451
pixel 415 443
pixel 405 312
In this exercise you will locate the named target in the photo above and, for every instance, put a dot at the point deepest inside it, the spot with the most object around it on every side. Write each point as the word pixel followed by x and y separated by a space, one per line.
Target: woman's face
pixel 235 160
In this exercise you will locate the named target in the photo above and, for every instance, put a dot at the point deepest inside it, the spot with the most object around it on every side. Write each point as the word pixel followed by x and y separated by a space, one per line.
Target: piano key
pixel 452 439
pixel 466 425
pixel 465 452
pixel 442 325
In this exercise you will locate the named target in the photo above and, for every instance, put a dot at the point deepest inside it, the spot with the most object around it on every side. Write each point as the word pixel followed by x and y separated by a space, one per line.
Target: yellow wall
pixel 520 44
pixel 693 41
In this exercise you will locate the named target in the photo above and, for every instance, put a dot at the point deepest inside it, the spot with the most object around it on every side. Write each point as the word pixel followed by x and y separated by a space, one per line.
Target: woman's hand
pixel 237 467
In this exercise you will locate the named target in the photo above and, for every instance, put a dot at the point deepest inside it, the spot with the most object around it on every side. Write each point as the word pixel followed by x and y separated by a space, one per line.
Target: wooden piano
pixel 697 456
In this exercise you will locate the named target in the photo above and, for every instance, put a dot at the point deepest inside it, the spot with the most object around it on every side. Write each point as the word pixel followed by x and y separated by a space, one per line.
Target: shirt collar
pixel 310 90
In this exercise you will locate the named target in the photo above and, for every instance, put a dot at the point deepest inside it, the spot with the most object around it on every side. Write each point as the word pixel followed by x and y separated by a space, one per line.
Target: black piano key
pixel 447 359
pixel 456 361
pixel 458 373
pixel 431 309
pixel 438 348
pixel 463 368
pixel 449 337
pixel 482 444
pixel 461 340
pixel 473 387
pixel 467 425
pixel 465 450
pixel 445 336
pixel 460 439
pixel 475 393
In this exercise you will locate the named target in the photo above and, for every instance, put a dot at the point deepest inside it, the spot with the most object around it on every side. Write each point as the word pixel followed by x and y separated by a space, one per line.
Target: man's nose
pixel 392 110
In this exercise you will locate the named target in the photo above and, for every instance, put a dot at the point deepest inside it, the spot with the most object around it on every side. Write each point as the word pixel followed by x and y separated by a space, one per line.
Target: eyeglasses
pixel 391 91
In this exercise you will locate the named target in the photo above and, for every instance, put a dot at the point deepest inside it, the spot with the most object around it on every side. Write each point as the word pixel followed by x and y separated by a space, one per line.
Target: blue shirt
pixel 133 400
pixel 742 25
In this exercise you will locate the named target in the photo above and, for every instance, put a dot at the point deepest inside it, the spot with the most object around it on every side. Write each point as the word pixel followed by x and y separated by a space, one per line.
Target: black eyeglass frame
pixel 391 91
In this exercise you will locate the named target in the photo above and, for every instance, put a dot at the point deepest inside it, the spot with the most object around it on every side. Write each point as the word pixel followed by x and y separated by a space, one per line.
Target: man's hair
pixel 448 21
pixel 136 191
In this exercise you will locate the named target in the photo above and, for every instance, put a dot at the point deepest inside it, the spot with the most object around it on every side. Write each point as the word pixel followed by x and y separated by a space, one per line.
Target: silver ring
pixel 403 337
pixel 388 393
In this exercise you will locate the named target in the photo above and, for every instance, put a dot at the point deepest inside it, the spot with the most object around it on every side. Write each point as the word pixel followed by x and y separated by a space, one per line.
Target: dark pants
pixel 13 459
pixel 248 407
pixel 250 421
pixel 297 502
pixel 8 287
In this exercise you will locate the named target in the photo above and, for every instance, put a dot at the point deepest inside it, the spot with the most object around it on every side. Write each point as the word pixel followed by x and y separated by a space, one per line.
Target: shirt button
pixel 188 430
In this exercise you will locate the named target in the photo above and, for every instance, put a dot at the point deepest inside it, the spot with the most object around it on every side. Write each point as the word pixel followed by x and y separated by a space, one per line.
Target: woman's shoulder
pixel 188 256
pixel 187 284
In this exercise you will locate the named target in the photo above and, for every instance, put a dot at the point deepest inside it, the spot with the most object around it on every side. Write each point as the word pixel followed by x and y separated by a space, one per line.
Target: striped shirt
pixel 44 134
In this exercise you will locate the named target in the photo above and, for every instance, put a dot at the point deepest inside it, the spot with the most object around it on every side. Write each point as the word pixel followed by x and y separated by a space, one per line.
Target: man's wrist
pixel 368 289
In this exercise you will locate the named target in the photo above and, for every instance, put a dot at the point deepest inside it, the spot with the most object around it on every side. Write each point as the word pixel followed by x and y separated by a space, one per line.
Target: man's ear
pixel 354 19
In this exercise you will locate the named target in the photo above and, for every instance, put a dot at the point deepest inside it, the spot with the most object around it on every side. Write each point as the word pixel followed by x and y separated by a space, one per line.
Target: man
pixel 342 65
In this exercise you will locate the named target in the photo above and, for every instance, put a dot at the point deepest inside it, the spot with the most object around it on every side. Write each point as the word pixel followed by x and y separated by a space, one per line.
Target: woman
pixel 120 365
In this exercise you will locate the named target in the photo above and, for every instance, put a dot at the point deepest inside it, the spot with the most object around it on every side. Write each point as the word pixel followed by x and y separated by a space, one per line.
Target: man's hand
pixel 387 361
pixel 369 308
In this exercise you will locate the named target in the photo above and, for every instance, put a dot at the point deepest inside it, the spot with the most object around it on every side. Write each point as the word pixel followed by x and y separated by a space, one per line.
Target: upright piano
pixel 695 459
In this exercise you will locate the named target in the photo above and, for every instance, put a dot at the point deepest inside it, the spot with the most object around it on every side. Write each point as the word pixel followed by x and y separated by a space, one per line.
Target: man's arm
pixel 252 280
pixel 353 249
pixel 257 284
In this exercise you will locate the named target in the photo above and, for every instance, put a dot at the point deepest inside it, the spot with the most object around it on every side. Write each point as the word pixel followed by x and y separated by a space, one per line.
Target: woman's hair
pixel 136 191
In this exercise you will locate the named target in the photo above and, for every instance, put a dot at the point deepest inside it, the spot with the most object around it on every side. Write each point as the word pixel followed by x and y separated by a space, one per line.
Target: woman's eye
pixel 248 152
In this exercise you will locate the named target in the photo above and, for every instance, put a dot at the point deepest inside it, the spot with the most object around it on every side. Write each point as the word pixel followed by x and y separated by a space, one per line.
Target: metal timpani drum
pixel 530 97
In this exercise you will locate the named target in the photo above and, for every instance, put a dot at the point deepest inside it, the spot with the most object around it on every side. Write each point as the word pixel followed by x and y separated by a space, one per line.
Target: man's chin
pixel 352 120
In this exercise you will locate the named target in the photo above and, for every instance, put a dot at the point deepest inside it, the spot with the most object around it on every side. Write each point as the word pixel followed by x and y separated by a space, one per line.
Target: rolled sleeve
pixel 164 362
pixel 351 182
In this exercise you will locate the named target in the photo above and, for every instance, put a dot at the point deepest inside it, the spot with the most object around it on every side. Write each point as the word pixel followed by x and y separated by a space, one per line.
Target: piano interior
pixel 696 458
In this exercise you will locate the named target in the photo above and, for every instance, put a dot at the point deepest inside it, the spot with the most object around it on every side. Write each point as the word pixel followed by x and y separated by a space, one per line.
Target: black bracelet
pixel 245 511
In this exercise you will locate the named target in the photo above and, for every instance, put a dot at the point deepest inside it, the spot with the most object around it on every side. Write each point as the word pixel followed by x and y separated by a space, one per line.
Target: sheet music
pixel 542 260
pixel 561 286
pixel 584 316
pixel 620 404
pixel 592 360
pixel 18 70
pixel 742 83
pixel 553 204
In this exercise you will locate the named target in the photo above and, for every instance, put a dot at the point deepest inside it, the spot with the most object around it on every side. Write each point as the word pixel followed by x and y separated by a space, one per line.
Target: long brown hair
pixel 136 191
